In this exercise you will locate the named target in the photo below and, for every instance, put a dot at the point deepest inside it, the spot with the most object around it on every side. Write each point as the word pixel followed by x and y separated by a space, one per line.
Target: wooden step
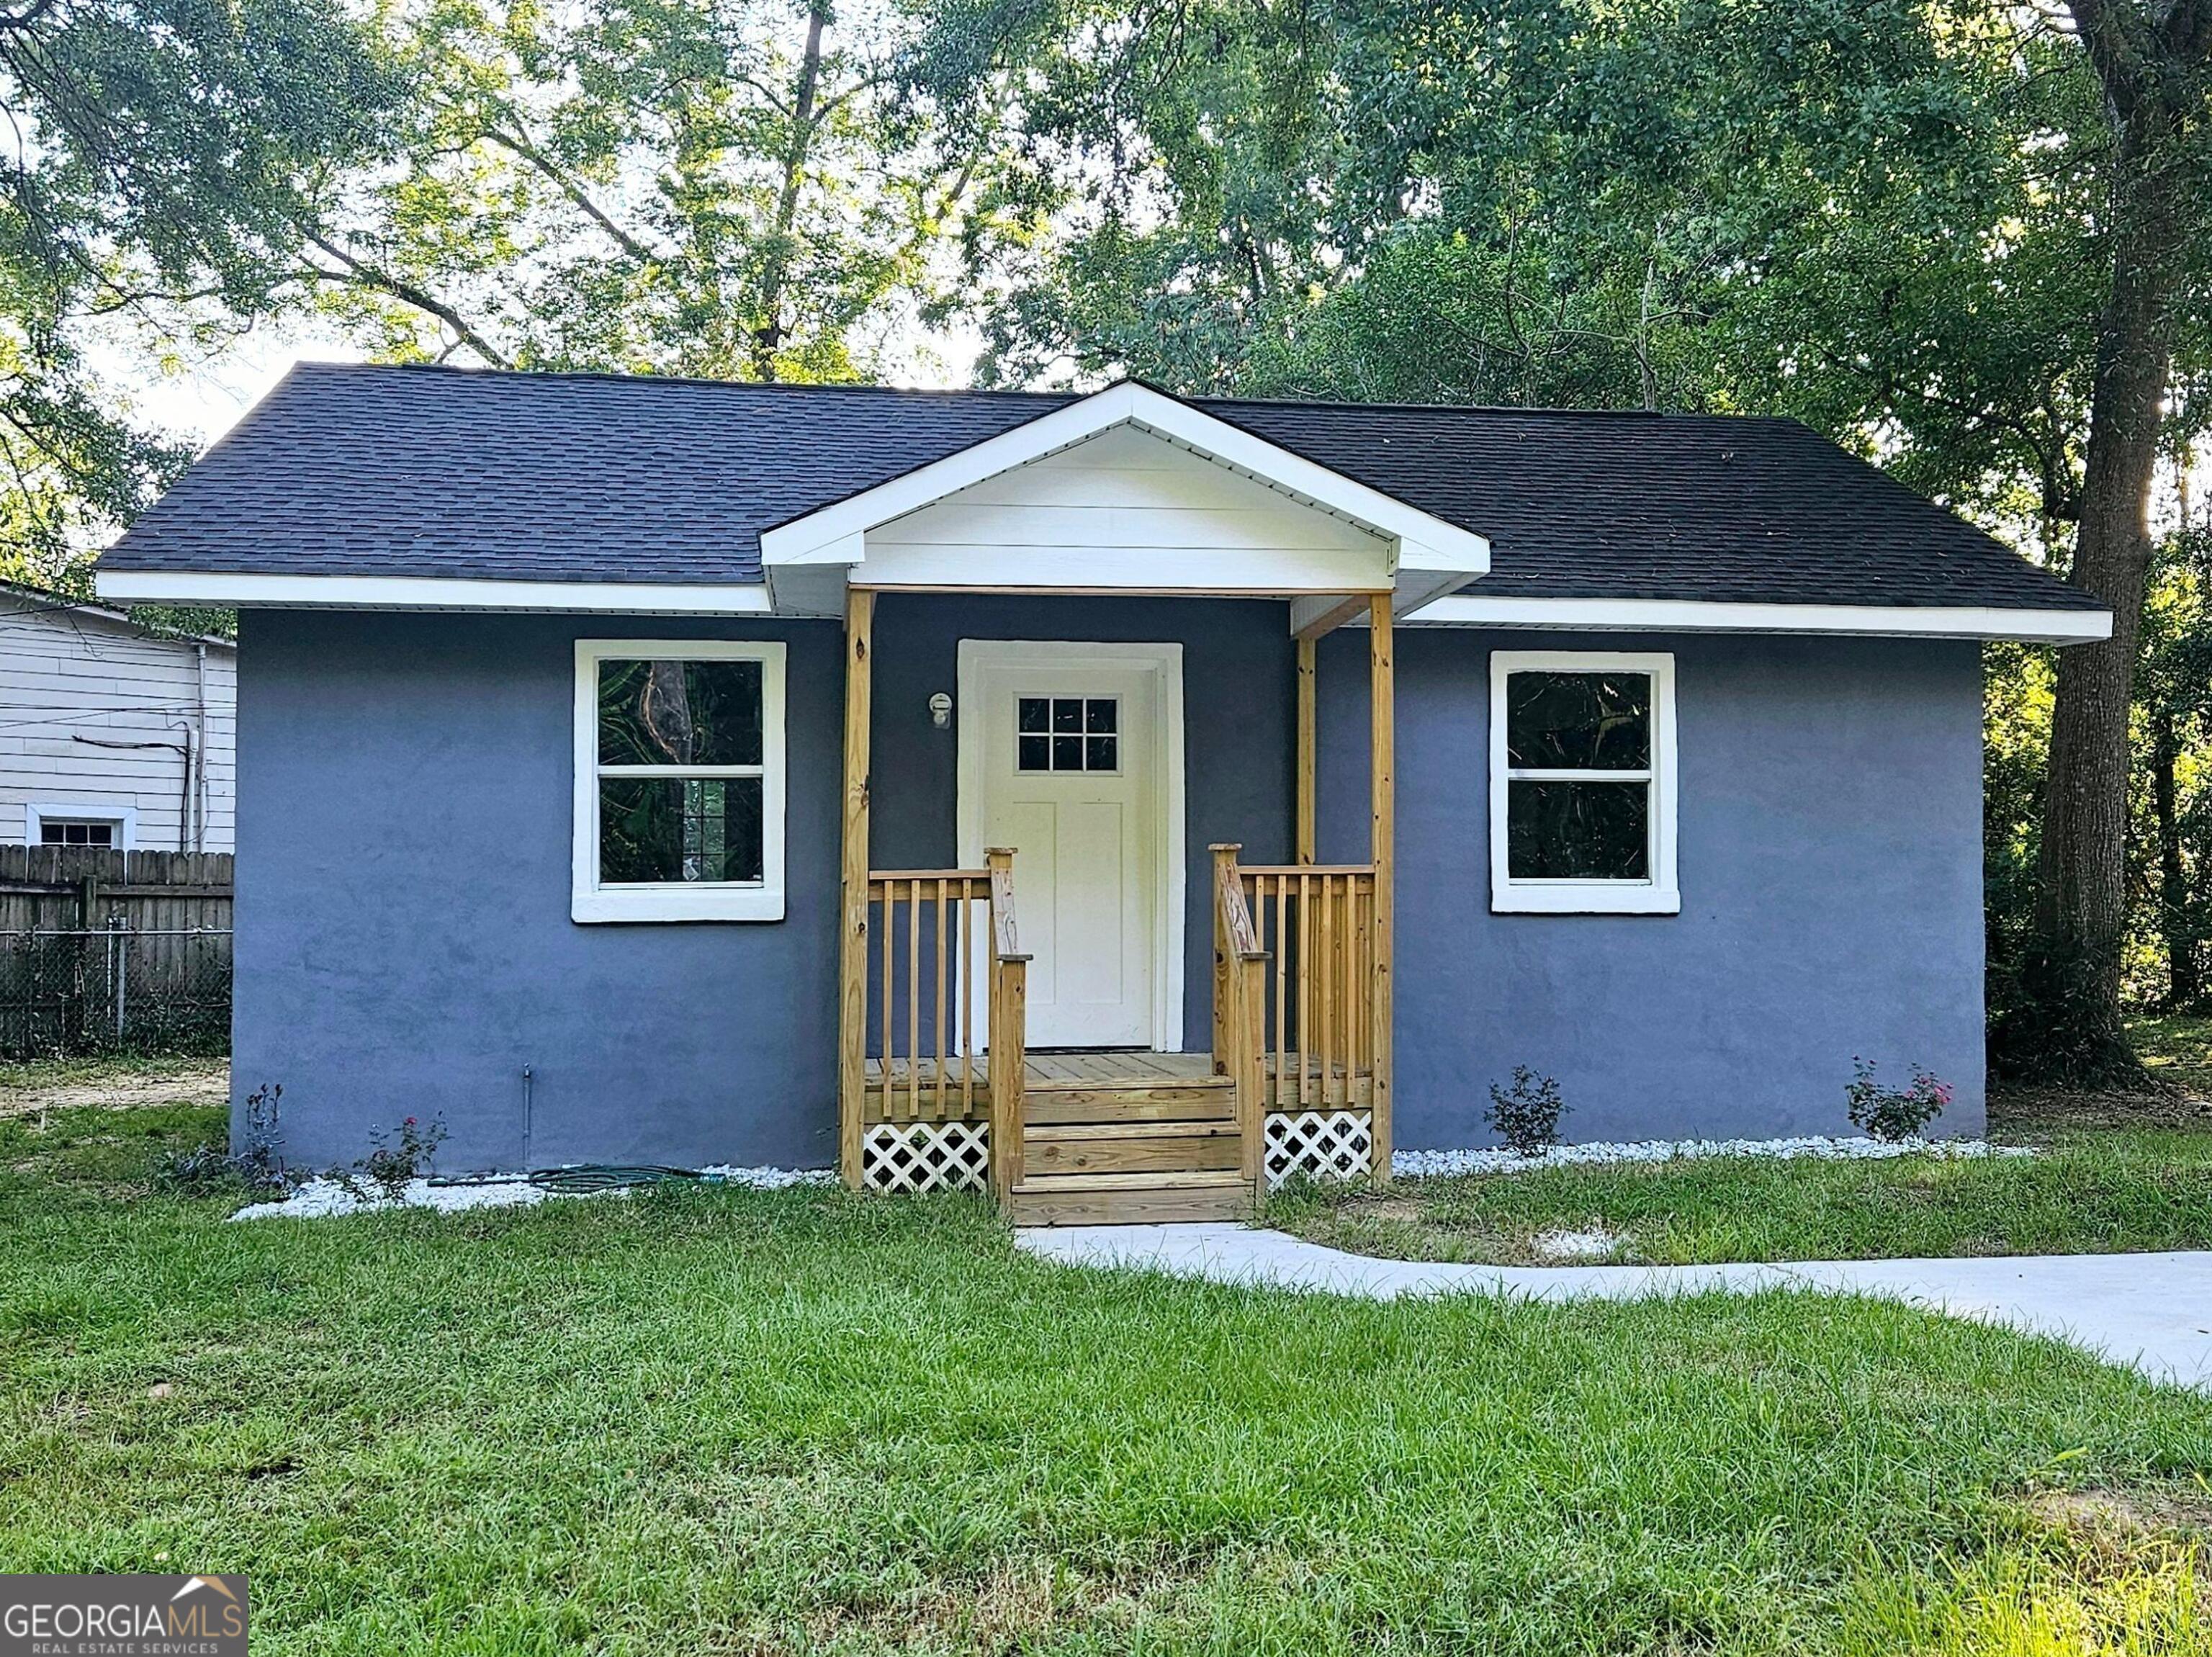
pixel 1131 1147
pixel 1128 1199
pixel 1209 1100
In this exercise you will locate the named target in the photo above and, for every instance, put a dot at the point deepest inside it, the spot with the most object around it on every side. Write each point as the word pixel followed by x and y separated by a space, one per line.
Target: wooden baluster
pixel 913 1000
pixel 964 959
pixel 1282 997
pixel 1305 982
pixel 890 935
pixel 1364 962
pixel 944 914
pixel 1328 989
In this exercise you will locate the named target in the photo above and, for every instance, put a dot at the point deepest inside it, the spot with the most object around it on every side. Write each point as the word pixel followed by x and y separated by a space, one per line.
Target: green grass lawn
pixel 2111 1173
pixel 698 1421
pixel 2106 1190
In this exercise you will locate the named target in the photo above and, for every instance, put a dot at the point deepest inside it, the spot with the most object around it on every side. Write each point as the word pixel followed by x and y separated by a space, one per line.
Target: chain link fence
pixel 117 988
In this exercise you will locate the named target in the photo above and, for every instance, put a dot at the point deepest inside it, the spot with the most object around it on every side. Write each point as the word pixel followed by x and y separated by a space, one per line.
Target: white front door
pixel 1063 749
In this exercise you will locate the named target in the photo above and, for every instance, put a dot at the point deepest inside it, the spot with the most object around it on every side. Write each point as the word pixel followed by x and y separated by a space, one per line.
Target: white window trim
pixel 125 819
pixel 1660 895
pixel 752 900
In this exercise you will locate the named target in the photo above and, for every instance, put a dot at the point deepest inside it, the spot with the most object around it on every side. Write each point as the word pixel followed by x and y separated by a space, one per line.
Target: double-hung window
pixel 679 780
pixel 1581 783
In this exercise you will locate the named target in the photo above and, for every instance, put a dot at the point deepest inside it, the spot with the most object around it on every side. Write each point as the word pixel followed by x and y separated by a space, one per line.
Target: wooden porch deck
pixel 928 1090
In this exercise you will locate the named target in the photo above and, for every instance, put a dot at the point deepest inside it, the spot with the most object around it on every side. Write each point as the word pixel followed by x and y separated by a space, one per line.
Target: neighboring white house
pixel 111 736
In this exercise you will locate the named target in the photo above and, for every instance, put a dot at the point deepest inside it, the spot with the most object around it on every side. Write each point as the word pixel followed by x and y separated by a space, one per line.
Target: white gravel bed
pixel 1417 1163
pixel 321 1198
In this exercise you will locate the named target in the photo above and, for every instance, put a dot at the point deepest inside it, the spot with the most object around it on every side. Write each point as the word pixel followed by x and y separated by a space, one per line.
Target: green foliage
pixel 1893 219
pixel 165 149
pixel 1525 1111
pixel 740 189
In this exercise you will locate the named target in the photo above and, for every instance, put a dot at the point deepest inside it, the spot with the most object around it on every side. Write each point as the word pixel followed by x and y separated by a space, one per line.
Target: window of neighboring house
pixel 1581 783
pixel 679 781
pixel 76 825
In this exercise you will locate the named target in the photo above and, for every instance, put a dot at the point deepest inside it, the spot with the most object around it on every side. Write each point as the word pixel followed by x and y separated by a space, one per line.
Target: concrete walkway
pixel 2151 1311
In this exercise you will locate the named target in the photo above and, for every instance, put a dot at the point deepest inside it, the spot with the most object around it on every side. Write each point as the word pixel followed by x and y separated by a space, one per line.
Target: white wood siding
pixel 1126 509
pixel 73 681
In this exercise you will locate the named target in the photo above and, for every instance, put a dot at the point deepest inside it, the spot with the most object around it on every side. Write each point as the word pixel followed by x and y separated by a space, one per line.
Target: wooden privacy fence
pixel 105 951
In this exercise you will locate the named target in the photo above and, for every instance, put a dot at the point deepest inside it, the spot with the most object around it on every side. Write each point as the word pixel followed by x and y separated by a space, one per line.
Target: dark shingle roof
pixel 360 471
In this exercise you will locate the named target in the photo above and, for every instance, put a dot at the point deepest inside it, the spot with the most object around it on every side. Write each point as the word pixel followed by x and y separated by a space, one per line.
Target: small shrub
pixel 398 1157
pixel 1894 1113
pixel 1526 1114
pixel 257 1164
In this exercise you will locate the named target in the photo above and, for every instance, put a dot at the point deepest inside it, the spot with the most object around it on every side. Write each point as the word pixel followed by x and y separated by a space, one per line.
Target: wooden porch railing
pixel 1317 921
pixel 920 1016
pixel 922 1005
pixel 1240 969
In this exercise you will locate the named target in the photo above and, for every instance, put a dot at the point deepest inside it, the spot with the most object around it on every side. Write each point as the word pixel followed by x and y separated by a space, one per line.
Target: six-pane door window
pixel 1067 734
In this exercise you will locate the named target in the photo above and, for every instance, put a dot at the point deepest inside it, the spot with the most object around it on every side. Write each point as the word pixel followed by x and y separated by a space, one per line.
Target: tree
pixel 739 189
pixel 1969 238
pixel 2154 63
pixel 162 152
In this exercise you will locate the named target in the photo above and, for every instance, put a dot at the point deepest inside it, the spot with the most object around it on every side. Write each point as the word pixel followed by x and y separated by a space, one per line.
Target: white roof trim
pixel 1682 616
pixel 430 593
pixel 834 533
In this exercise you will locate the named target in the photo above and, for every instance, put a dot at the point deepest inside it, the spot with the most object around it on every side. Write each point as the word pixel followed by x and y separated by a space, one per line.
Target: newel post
pixel 1240 969
pixel 1225 871
pixel 852 919
pixel 1007 1031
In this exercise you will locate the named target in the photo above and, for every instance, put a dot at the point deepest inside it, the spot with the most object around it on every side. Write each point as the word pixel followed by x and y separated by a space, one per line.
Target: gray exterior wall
pixel 404 941
pixel 405 945
pixel 1831 866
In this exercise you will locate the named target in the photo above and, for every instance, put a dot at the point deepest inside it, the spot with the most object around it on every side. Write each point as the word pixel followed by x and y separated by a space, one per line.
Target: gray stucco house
pixel 1116 800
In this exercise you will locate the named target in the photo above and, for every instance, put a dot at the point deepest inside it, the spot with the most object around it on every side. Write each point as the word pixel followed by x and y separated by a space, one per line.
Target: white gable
pixel 1126 490
pixel 1126 509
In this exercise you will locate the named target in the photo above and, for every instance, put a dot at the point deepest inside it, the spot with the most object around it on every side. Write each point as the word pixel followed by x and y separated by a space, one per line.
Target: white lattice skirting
pixel 1326 1144
pixel 917 1156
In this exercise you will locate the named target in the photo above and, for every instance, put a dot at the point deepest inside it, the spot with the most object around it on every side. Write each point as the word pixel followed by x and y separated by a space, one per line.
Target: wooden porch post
pixel 1306 749
pixel 853 936
pixel 1382 718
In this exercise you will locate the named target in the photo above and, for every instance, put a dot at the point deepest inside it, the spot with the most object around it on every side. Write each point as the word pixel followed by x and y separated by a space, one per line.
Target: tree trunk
pixel 2183 987
pixel 2082 904
pixel 2153 78
pixel 775 269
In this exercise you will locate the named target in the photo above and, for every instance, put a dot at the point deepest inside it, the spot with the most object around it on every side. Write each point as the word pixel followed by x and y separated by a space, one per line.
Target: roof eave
pixel 2034 626
pixel 257 591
